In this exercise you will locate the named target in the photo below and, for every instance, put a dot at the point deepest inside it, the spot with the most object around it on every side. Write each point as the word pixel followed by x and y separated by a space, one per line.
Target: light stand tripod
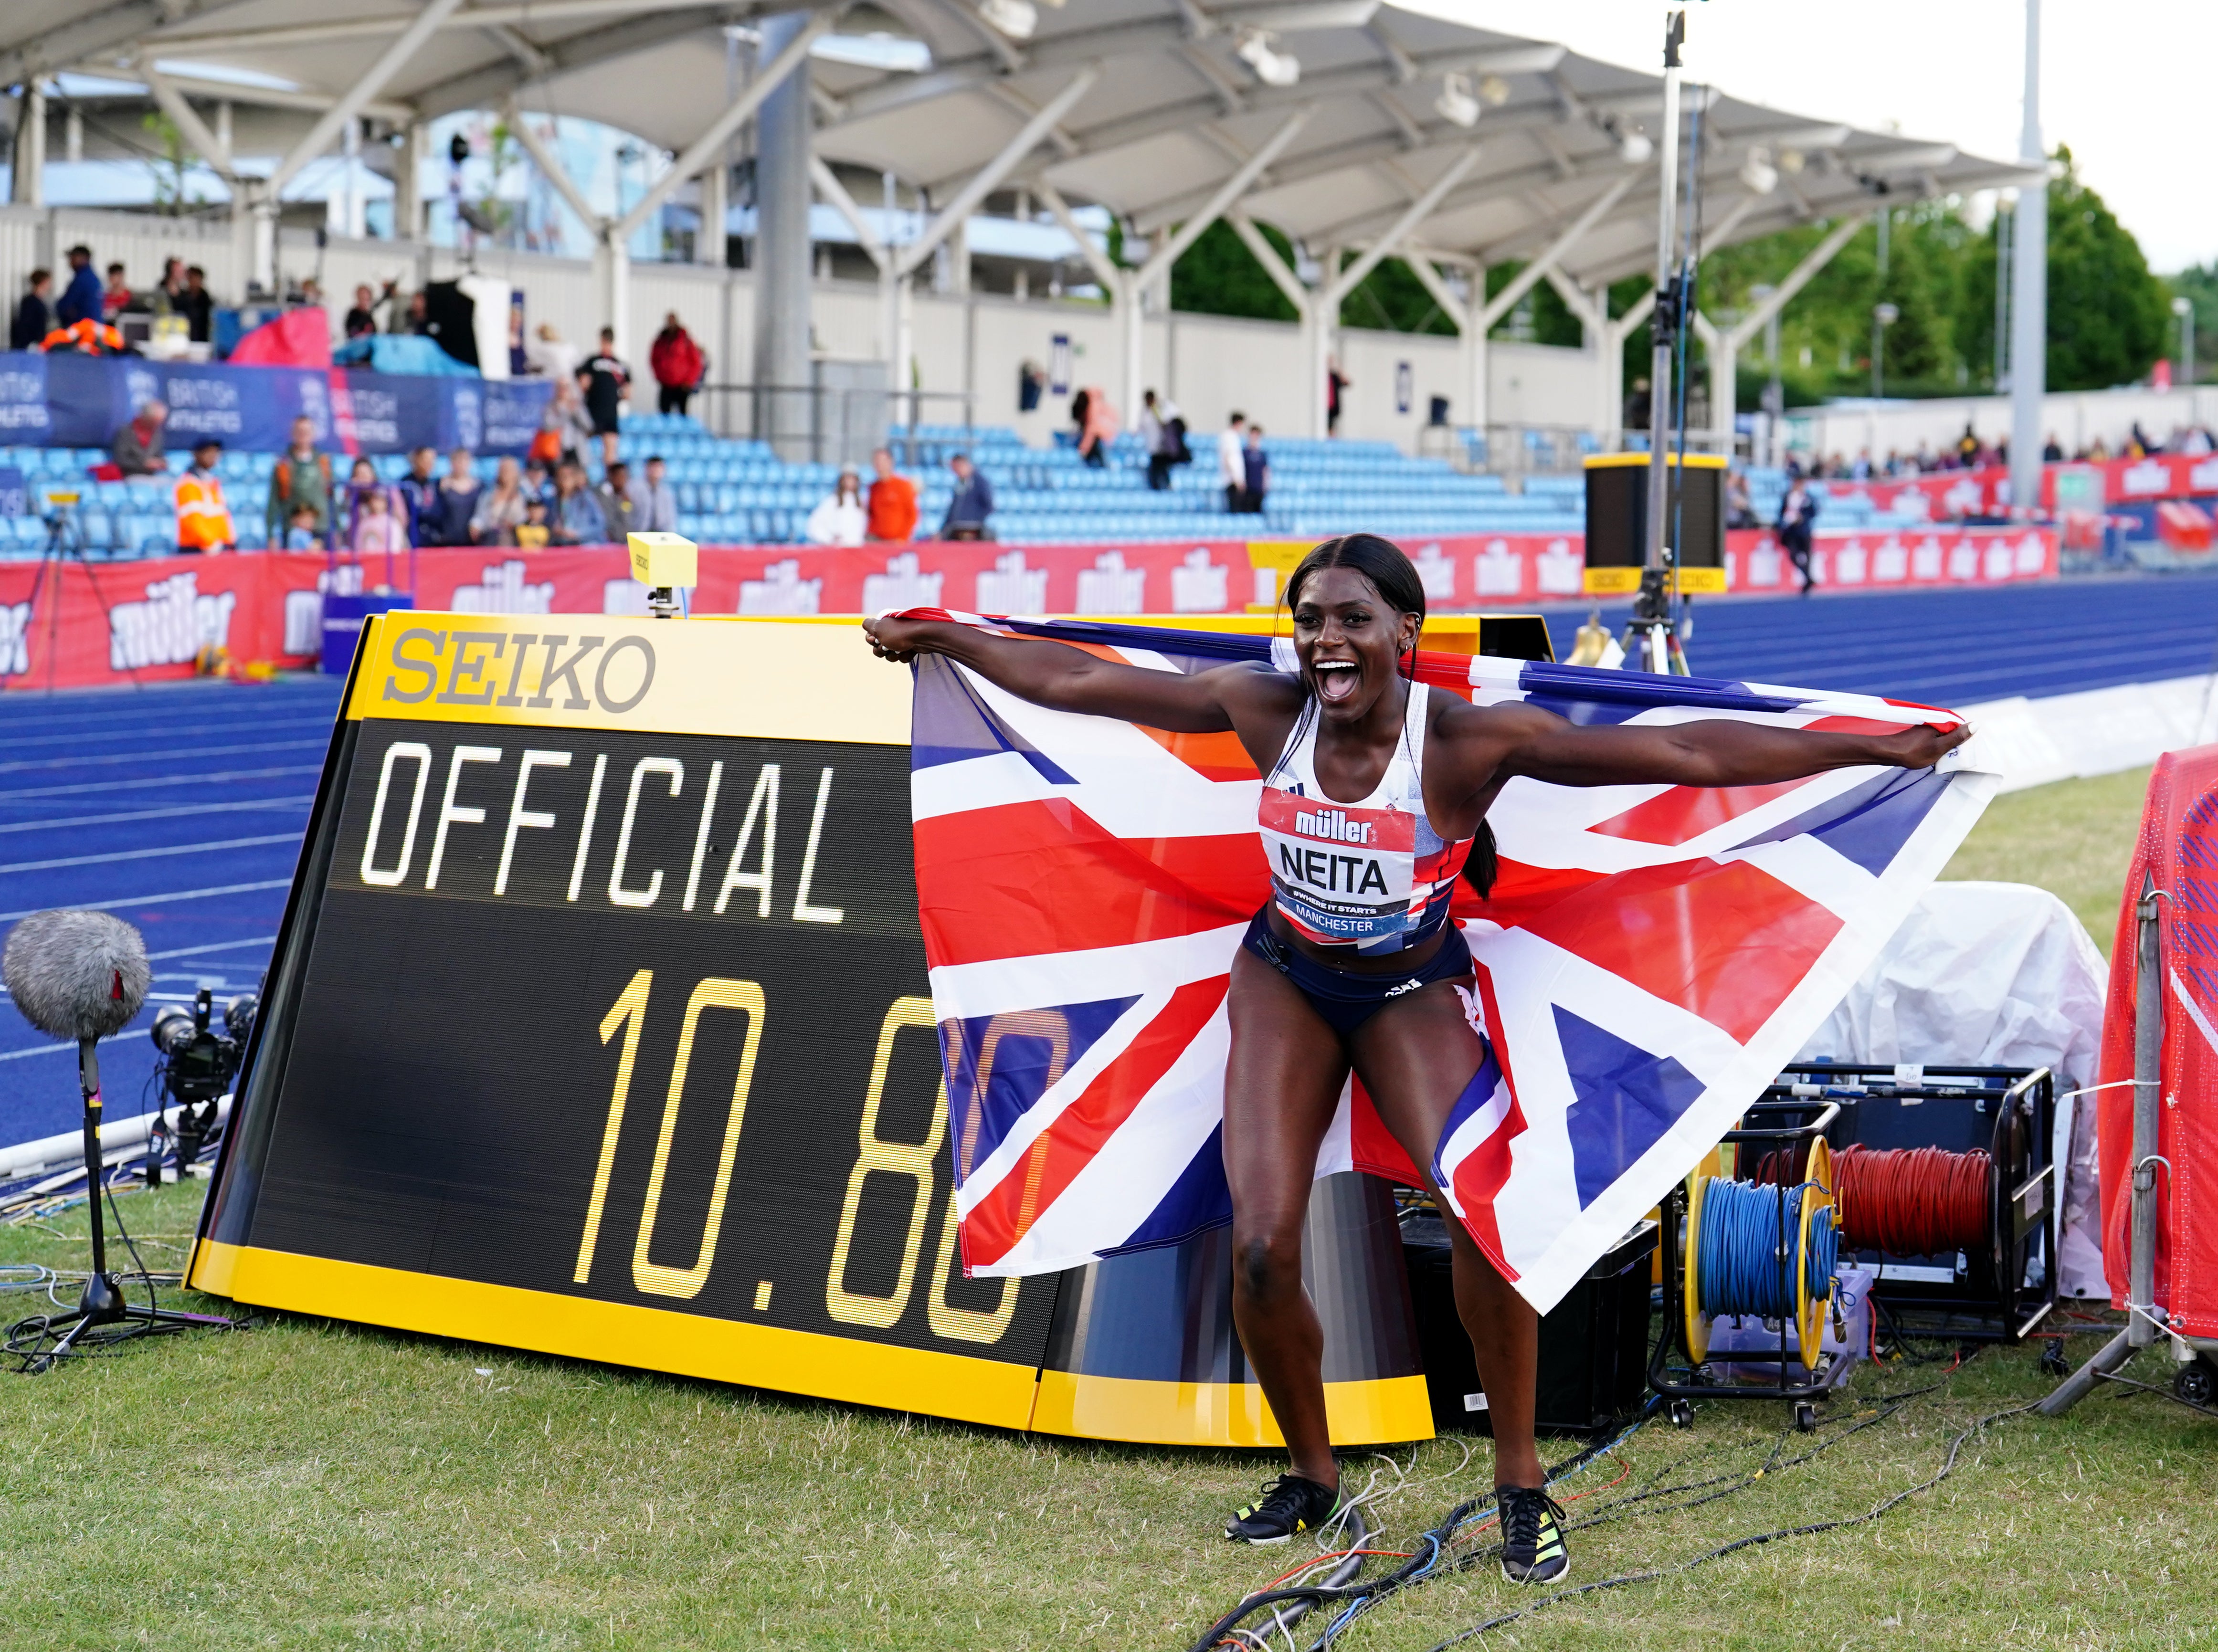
pixel 65 543
pixel 103 1302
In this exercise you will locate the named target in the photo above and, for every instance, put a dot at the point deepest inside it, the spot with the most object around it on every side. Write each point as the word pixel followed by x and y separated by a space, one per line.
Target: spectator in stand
pixel 654 501
pixel 1797 512
pixel 300 532
pixel 198 306
pixel 500 511
pixel 533 532
pixel 1099 430
pixel 204 519
pixel 80 299
pixel 458 498
pixel 1232 462
pixel 171 287
pixel 1740 508
pixel 969 513
pixel 416 319
pixel 563 426
pixel 549 355
pixel 1639 408
pixel 893 501
pixel 1256 473
pixel 1079 404
pixel 677 364
pixel 362 319
pixel 1968 446
pixel 614 497
pixel 34 312
pixel 605 381
pixel 420 495
pixel 538 482
pixel 838 519
pixel 2138 445
pixel 1336 382
pixel 375 528
pixel 302 476
pixel 2052 451
pixel 575 518
pixel 1157 436
pixel 137 449
pixel 362 480
pixel 117 296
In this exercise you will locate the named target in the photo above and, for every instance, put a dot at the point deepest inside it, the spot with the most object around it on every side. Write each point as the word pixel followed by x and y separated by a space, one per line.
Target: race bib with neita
pixel 1339 873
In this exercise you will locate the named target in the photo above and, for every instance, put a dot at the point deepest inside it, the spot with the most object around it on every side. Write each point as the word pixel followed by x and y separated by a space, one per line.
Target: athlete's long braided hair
pixel 1395 578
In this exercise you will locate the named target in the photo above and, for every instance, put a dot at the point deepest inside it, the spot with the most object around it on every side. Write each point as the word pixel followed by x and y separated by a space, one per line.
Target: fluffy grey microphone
pixel 77 974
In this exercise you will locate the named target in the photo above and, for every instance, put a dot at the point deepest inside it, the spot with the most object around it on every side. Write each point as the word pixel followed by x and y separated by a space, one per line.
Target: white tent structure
pixel 1360 130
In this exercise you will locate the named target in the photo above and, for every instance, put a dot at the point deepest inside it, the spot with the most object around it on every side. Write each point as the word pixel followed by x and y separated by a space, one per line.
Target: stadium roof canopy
pixel 1177 103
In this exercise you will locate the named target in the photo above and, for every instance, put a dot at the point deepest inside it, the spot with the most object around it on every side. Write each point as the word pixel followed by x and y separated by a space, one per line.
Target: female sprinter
pixel 1332 976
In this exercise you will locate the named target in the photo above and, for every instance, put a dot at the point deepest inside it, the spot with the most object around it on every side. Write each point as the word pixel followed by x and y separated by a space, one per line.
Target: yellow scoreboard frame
pixel 563 893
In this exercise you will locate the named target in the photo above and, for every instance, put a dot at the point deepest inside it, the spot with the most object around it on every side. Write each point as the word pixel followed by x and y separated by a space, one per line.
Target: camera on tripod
pixel 199 1065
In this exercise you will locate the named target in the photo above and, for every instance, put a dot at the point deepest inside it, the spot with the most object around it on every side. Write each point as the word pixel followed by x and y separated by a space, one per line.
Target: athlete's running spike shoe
pixel 1532 1536
pixel 1289 1504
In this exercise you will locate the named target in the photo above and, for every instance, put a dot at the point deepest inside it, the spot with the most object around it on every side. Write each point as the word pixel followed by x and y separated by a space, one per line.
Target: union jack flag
pixel 1649 959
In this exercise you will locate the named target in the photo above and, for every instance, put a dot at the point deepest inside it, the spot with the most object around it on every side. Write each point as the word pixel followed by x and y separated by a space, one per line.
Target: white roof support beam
pixel 1159 263
pixel 389 64
pixel 704 149
pixel 989 177
pixel 1798 278
pixel 836 197
pixel 94 32
pixel 1429 278
pixel 1105 272
pixel 210 148
pixel 1500 304
pixel 549 164
pixel 1738 215
pixel 355 28
pixel 1273 266
pixel 1338 284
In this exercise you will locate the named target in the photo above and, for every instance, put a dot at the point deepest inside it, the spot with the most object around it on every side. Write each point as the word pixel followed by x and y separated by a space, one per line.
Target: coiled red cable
pixel 1914 1201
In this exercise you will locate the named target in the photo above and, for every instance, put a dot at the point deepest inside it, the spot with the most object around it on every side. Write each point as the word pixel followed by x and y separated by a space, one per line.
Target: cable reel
pixel 1761 1248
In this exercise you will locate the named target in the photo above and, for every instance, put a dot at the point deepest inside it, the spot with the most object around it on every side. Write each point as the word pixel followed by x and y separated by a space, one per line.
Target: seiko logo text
pixel 493 668
pixel 1335 824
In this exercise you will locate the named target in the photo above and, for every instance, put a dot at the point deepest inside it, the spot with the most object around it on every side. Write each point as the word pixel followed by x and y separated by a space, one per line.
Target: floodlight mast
pixel 1663 319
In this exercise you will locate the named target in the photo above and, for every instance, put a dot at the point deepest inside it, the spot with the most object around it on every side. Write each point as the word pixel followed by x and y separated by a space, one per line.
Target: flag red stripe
pixel 1724 939
pixel 1486 1167
pixel 1683 813
pixel 999 1221
pixel 1020 879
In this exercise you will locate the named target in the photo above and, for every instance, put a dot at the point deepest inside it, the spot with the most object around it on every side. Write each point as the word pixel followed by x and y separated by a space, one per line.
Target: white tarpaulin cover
pixel 1995 974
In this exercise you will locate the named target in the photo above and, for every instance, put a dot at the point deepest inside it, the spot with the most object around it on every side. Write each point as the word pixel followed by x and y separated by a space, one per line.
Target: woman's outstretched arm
pixel 1058 676
pixel 1707 751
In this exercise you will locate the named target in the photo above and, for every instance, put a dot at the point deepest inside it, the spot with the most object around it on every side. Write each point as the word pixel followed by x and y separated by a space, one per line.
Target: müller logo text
pixel 493 668
pixel 1334 825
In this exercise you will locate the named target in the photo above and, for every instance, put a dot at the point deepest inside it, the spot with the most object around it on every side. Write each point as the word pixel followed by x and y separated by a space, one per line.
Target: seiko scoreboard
pixel 598 1025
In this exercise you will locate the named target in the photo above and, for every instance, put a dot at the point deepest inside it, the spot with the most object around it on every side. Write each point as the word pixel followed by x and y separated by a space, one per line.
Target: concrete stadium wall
pixel 1209 365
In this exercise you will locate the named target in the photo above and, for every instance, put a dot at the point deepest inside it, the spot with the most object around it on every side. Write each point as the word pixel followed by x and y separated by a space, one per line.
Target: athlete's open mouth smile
pixel 1336 679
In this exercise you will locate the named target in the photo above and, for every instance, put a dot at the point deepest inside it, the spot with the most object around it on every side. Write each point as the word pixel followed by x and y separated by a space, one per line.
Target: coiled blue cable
pixel 1739 1265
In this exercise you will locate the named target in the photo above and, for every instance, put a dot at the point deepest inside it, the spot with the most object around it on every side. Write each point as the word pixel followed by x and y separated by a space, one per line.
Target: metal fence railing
pixel 834 424
pixel 1517 451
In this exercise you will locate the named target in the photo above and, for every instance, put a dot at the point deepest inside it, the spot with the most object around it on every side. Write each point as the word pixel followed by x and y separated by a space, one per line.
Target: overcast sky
pixel 2127 87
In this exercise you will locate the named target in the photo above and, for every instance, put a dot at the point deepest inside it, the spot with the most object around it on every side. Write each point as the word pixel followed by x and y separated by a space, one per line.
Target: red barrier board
pixel 2178 846
pixel 1895 559
pixel 79 625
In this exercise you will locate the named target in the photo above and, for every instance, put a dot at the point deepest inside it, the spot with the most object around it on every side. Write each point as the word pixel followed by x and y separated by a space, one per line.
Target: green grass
pixel 310 1484
pixel 2074 838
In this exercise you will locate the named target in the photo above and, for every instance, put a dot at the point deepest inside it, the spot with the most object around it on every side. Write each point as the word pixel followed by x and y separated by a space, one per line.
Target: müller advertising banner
pixel 78 401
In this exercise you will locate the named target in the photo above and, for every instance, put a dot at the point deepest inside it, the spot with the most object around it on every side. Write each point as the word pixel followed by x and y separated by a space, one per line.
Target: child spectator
pixel 533 532
pixel 301 535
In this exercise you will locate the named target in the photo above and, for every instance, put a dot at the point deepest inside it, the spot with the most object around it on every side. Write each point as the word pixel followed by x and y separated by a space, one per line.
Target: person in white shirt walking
pixel 1232 462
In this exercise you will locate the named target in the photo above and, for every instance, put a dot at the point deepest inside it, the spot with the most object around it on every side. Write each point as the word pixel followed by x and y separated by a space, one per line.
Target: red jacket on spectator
pixel 675 359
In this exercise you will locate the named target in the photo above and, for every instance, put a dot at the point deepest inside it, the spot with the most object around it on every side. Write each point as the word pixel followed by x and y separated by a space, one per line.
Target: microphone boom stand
pixel 103 1302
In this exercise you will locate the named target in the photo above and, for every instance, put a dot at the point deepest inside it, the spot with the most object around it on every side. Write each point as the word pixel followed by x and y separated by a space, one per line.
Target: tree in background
pixel 2107 314
pixel 2198 285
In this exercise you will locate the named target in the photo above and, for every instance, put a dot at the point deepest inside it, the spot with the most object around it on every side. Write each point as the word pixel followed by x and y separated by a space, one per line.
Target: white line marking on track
pixel 300 803
pixel 164 898
pixel 155 756
pixel 153 854
pixel 7 797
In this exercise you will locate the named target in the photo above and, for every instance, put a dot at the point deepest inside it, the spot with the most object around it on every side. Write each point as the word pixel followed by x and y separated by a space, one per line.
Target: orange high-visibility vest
pixel 204 519
pixel 91 338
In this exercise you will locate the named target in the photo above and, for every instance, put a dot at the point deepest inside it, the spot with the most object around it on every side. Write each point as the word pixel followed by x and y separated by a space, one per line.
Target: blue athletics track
pixel 180 807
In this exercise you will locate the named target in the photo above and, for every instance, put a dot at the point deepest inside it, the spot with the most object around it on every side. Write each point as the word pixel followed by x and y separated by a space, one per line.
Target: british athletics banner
pixel 1649 959
pixel 79 401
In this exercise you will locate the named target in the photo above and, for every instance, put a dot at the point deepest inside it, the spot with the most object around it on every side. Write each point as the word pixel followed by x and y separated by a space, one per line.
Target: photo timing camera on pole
pixel 1654 524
